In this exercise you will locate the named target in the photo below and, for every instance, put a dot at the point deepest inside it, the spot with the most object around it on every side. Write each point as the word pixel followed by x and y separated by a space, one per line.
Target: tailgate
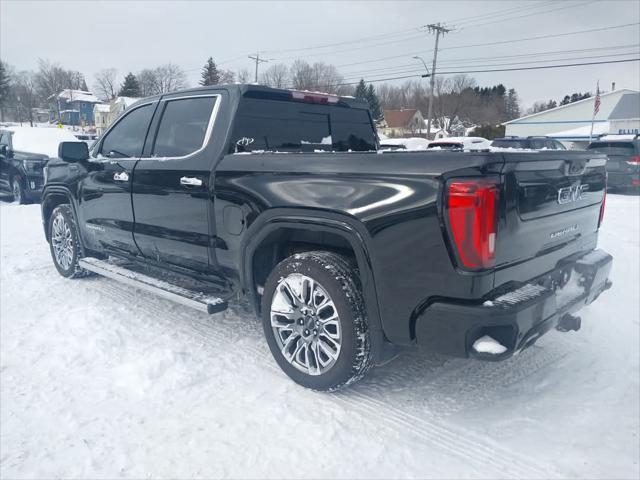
pixel 551 204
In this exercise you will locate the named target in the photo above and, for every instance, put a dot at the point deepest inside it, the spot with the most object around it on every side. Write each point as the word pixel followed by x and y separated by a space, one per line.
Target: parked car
pixel 411 143
pixel 88 138
pixel 345 255
pixel 623 165
pixel 461 143
pixel 528 143
pixel 24 151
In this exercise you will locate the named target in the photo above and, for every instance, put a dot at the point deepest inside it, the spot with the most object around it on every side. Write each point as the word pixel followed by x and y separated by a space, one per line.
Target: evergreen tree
pixel 210 73
pixel 130 86
pixel 361 91
pixel 84 87
pixel 374 104
pixel 512 105
pixel 5 88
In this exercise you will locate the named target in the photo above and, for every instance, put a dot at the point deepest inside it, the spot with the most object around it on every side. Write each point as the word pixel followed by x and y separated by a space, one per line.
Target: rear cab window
pixel 183 126
pixel 291 126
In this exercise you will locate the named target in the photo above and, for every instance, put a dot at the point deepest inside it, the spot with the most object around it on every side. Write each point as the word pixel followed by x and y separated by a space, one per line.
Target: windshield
pixel 510 143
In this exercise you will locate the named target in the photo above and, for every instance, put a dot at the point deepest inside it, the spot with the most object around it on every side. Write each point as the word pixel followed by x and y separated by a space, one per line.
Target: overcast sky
pixel 131 35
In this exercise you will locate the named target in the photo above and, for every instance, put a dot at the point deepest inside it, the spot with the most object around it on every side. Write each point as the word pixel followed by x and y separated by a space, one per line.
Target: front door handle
pixel 191 181
pixel 121 177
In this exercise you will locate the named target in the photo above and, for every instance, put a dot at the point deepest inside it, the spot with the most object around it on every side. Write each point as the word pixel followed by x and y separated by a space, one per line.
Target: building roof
pixel 582 133
pixel 127 101
pixel 628 107
pixel 102 107
pixel 573 104
pixel 399 118
pixel 77 96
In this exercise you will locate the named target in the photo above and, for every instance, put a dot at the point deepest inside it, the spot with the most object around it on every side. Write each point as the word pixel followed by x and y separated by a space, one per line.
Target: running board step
pixel 190 298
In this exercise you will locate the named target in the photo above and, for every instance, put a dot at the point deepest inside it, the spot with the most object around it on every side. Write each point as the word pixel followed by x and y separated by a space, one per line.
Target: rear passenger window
pixel 183 126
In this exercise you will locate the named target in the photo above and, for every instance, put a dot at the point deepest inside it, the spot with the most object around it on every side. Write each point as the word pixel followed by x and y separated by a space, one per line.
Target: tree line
pixel 456 99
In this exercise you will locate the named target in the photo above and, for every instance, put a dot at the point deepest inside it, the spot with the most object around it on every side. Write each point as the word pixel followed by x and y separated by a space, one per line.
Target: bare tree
pixel 244 76
pixel 169 78
pixel 26 95
pixel 318 76
pixel 51 79
pixel 226 76
pixel 105 84
pixel 276 76
pixel 148 82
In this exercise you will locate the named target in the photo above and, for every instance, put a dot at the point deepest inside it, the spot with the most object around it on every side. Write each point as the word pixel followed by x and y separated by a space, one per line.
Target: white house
pixel 105 114
pixel 101 113
pixel 571 123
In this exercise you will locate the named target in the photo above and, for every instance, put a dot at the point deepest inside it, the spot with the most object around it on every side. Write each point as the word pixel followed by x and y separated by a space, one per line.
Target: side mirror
pixel 73 152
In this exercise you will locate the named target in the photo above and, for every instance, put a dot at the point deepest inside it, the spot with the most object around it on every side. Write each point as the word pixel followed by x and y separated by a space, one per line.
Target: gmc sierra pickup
pixel 346 253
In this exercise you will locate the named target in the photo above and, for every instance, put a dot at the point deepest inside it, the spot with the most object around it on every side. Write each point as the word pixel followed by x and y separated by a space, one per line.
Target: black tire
pixel 340 281
pixel 17 191
pixel 65 214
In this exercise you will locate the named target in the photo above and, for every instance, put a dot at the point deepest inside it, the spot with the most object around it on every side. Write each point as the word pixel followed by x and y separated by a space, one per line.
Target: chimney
pixel 613 86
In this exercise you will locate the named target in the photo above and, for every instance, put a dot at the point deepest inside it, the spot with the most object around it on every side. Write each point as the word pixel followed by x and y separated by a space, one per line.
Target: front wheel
pixel 64 243
pixel 315 322
pixel 17 190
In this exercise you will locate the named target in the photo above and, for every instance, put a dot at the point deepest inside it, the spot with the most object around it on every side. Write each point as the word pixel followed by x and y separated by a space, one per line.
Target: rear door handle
pixel 121 177
pixel 191 181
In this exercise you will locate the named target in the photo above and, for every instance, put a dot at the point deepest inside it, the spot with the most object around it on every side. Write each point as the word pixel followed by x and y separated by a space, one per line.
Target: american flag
pixel 596 104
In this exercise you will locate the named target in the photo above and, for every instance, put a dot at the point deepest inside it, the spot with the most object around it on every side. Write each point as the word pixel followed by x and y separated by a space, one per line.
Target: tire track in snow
pixel 480 452
pixel 469 447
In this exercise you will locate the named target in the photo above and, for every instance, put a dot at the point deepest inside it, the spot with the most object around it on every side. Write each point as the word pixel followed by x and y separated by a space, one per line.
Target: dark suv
pixel 529 143
pixel 623 165
pixel 21 173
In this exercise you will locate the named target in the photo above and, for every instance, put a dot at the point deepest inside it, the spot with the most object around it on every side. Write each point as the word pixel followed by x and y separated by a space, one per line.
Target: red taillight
pixel 313 97
pixel 634 160
pixel 472 208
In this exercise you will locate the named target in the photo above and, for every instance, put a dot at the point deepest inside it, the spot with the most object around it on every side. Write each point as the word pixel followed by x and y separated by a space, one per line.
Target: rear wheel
pixel 315 322
pixel 64 243
pixel 17 190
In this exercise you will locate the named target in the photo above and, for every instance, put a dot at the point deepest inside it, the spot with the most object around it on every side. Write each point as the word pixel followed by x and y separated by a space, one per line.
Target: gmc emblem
pixel 571 194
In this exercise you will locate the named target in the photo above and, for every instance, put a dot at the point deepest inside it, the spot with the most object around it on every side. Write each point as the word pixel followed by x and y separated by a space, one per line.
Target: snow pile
pixel 43 141
pixel 487 344
pixel 413 143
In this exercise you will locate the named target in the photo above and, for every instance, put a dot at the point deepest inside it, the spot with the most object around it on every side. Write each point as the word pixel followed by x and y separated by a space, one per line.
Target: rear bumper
pixel 516 317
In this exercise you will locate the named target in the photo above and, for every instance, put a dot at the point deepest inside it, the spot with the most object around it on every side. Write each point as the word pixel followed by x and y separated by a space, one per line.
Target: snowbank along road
pixel 100 381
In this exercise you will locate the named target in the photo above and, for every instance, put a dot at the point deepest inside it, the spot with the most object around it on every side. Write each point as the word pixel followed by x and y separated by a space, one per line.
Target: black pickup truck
pixel 346 253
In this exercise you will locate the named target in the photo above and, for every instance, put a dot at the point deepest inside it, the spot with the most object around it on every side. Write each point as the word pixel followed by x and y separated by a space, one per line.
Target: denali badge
pixel 564 231
pixel 571 194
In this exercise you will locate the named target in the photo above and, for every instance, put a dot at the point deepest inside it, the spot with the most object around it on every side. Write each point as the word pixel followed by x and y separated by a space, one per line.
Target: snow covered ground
pixel 101 381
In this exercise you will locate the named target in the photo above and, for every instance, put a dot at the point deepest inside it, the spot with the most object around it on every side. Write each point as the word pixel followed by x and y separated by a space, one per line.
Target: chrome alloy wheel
pixel 306 324
pixel 17 192
pixel 62 242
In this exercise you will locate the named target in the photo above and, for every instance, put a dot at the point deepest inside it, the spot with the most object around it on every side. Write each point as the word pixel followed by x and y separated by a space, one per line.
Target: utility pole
pixel 258 62
pixel 438 30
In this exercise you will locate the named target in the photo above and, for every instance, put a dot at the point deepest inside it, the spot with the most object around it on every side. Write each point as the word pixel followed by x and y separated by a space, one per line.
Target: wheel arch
pixel 51 198
pixel 282 232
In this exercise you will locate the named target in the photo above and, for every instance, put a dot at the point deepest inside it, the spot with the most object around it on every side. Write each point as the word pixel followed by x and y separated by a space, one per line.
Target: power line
pixel 500 57
pixel 527 62
pixel 541 67
pixel 530 14
pixel 539 37
pixel 460 22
